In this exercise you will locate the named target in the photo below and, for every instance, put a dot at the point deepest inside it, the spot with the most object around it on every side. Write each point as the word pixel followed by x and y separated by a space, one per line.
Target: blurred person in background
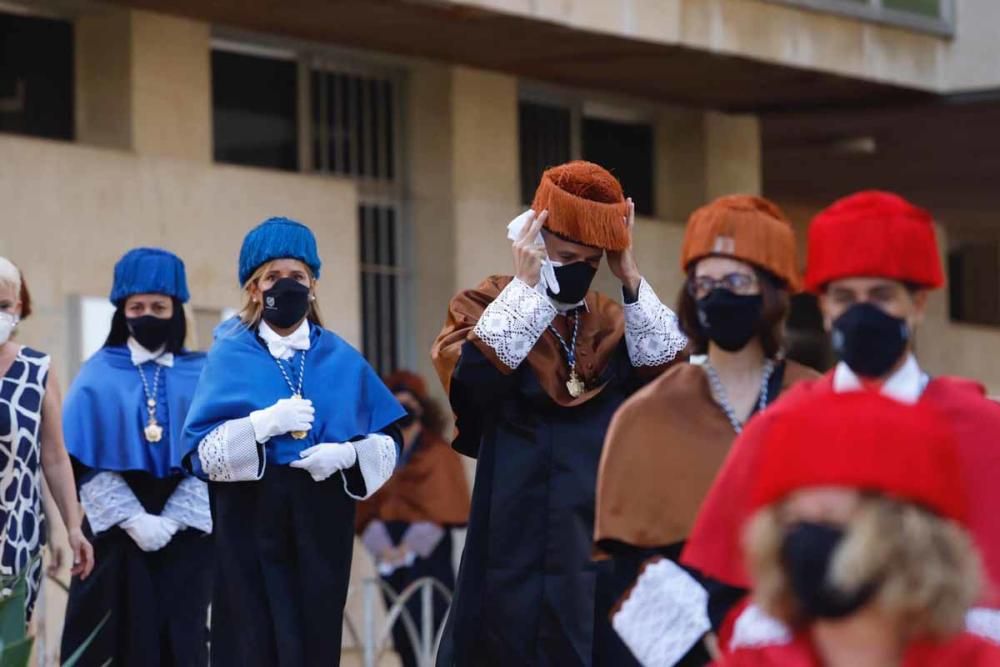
pixel 873 261
pixel 407 525
pixel 149 520
pixel 31 444
pixel 666 443
pixel 858 540
pixel 535 365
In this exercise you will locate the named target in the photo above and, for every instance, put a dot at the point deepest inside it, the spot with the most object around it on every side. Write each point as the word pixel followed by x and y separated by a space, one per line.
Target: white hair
pixel 9 274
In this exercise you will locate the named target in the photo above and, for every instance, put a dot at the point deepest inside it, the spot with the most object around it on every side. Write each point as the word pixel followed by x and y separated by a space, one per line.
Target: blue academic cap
pixel 149 271
pixel 278 238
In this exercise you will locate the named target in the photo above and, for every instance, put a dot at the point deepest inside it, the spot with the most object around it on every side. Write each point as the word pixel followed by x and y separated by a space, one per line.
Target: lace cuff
pixel 984 622
pixel 664 614
pixel 652 334
pixel 188 505
pixel 376 459
pixel 755 628
pixel 231 453
pixel 514 322
pixel 423 537
pixel 107 500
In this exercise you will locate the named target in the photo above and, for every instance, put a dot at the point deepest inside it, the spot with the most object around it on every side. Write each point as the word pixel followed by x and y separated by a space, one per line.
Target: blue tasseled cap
pixel 149 271
pixel 278 238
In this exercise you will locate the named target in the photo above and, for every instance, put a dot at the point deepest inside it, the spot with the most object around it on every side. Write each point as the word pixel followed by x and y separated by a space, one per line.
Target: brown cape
pixel 602 328
pixel 663 449
pixel 431 486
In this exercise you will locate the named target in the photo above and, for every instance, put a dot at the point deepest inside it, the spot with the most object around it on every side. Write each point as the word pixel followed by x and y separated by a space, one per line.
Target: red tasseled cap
pixel 585 204
pixel 866 441
pixel 403 380
pixel 873 234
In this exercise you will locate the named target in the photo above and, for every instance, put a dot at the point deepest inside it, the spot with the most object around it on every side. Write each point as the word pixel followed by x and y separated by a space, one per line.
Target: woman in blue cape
pixel 282 406
pixel 123 419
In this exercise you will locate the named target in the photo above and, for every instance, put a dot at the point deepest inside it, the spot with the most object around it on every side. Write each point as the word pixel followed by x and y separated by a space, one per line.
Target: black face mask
pixel 286 303
pixel 807 552
pixel 730 320
pixel 150 331
pixel 869 340
pixel 409 420
pixel 574 281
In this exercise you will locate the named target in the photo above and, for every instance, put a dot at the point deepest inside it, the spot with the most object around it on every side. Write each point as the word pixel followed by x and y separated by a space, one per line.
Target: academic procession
pixel 498 333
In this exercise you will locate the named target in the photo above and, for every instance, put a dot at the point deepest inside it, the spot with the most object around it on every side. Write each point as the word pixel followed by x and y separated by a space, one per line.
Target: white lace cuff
pixel 423 537
pixel 107 500
pixel 664 615
pixel 755 628
pixel 188 505
pixel 652 334
pixel 230 453
pixel 984 622
pixel 514 322
pixel 377 460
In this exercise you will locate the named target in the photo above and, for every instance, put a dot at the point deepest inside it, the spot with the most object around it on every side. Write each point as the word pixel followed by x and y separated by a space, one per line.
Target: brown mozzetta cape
pixel 601 331
pixel 431 486
pixel 664 447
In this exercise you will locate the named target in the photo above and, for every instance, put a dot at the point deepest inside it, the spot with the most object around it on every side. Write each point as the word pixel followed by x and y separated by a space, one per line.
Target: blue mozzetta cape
pixel 241 376
pixel 105 412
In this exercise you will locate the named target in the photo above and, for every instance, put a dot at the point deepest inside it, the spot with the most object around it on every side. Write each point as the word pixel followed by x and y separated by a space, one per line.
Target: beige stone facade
pixel 140 170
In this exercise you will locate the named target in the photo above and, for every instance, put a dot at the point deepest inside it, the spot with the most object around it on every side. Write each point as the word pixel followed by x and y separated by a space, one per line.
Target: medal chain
pixel 719 392
pixel 296 389
pixel 150 394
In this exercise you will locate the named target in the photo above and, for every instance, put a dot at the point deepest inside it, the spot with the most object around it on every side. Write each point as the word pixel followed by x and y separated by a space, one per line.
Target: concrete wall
pixel 791 36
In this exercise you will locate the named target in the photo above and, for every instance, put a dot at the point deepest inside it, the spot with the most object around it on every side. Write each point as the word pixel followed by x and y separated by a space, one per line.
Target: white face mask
pixel 8 323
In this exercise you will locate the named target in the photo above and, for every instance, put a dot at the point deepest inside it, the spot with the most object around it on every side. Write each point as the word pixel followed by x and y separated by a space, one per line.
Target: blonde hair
pixel 251 311
pixel 927 566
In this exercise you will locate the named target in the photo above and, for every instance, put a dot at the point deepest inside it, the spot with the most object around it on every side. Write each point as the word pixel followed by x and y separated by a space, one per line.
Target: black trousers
pixel 283 548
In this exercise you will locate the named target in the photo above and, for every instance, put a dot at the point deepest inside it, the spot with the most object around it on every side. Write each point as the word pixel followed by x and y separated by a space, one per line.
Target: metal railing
pixel 424 637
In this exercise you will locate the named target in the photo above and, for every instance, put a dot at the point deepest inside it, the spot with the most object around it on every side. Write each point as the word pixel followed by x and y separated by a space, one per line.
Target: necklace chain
pixel 722 399
pixel 150 394
pixel 296 389
pixel 569 349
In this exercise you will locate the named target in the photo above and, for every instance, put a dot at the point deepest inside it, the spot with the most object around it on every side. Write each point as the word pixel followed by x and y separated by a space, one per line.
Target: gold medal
pixel 298 435
pixel 575 386
pixel 153 431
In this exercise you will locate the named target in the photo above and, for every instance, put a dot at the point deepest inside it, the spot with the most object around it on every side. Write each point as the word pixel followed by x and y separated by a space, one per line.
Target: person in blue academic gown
pixel 290 425
pixel 148 518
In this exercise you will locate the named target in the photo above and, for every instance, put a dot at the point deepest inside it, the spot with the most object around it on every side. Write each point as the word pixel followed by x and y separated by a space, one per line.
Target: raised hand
pixel 528 253
pixel 623 264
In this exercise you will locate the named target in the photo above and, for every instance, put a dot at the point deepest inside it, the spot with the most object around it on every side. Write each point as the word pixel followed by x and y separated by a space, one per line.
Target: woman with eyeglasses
pixel 666 444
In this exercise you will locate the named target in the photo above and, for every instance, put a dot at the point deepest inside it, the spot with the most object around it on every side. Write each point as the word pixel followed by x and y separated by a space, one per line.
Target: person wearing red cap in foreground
pixel 534 366
pixel 873 258
pixel 858 540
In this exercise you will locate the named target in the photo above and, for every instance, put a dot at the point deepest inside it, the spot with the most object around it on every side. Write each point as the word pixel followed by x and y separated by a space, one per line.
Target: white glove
pixel 548 279
pixel 285 416
pixel 326 458
pixel 150 532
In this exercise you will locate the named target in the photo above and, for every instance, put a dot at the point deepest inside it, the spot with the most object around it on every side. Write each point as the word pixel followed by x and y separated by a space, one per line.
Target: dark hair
pixel 769 328
pixel 433 418
pixel 25 298
pixel 119 333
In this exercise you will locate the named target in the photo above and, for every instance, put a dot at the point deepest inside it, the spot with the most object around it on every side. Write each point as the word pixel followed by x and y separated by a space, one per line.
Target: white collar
pixel 283 347
pixel 905 385
pixel 141 355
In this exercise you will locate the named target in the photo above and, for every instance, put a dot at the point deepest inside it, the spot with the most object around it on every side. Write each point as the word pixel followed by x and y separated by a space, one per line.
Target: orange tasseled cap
pixel 585 204
pixel 747 228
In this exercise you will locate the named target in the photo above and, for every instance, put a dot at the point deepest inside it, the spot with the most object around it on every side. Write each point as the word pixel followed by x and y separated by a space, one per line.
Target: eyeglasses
pixel 737 283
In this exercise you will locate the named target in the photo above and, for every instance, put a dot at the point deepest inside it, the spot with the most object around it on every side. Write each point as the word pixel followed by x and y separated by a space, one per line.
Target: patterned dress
pixel 22 524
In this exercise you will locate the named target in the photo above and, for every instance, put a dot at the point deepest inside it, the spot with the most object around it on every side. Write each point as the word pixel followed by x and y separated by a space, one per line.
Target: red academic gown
pixel 964 650
pixel 714 547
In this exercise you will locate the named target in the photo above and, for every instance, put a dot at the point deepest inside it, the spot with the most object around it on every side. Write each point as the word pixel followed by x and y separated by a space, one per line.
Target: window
pixel 36 76
pixel 550 134
pixel 348 120
pixel 930 15
pixel 973 282
pixel 254 107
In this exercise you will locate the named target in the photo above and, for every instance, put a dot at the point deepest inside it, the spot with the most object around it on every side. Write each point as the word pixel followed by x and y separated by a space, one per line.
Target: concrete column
pixel 144 83
pixel 732 152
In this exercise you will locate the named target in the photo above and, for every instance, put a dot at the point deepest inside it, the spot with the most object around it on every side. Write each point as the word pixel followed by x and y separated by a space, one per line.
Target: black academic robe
pixel 156 602
pixel 528 591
